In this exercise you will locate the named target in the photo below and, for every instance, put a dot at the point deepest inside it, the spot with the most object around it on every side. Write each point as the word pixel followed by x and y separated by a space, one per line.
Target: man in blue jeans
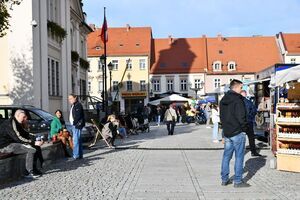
pixel 234 123
pixel 77 121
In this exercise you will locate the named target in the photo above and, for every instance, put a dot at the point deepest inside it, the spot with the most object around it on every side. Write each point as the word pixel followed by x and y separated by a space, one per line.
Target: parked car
pixel 39 121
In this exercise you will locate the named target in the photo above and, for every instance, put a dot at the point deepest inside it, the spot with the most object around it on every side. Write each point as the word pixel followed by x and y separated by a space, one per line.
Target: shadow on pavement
pixel 252 166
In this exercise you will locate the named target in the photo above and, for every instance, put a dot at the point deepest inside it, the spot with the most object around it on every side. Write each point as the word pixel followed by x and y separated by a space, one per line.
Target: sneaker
pixel 37 172
pixel 215 141
pixel 208 127
pixel 241 185
pixel 256 154
pixel 31 175
pixel 226 183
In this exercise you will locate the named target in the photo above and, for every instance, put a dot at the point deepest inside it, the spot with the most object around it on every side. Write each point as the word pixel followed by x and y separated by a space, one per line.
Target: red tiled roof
pixel 251 54
pixel 121 41
pixel 183 55
pixel 291 42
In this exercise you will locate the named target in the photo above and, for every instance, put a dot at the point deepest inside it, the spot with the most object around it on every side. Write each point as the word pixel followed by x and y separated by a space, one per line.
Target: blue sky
pixel 193 18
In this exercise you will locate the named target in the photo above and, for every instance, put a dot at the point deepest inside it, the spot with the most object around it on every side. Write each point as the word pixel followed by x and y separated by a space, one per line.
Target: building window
pixel 82 49
pixel 231 66
pixel 98 48
pixel 170 85
pixel 89 86
pixel 129 85
pixel 115 86
pixel 82 87
pixel 197 83
pixel 183 85
pixel 156 85
pixel 99 66
pixel 129 64
pixel 217 66
pixel 52 10
pixel 57 79
pixel 53 77
pixel 142 64
pixel 115 64
pixel 162 65
pixel 184 64
pixel 293 60
pixel 143 85
pixel 217 83
pixel 49 76
pixel 100 86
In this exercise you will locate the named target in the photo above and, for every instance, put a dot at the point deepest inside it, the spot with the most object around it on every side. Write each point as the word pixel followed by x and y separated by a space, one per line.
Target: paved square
pixel 156 166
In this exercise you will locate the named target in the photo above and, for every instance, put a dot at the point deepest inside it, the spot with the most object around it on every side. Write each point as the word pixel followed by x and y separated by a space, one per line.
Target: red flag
pixel 103 35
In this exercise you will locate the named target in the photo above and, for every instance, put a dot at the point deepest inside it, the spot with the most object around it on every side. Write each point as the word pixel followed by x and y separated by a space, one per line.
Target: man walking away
pixel 251 112
pixel 78 122
pixel 170 119
pixel 207 114
pixel 158 115
pixel 234 123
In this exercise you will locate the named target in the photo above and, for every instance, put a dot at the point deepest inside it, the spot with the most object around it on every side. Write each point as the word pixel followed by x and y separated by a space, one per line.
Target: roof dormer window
pixel 231 66
pixel 217 66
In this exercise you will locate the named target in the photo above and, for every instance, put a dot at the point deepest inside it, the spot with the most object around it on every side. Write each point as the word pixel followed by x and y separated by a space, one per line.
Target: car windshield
pixel 47 116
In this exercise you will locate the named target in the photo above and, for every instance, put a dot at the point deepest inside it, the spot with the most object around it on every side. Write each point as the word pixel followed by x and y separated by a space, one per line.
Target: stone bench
pixel 12 166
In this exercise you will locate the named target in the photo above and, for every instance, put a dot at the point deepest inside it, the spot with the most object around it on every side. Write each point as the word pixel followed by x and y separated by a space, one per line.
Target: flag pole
pixel 105 66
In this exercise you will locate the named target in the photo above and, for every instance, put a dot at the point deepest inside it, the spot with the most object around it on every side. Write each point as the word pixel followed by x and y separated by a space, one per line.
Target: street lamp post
pixel 110 68
pixel 197 88
pixel 102 62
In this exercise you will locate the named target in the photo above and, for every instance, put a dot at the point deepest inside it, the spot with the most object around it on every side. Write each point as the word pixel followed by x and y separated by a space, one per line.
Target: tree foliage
pixel 5 6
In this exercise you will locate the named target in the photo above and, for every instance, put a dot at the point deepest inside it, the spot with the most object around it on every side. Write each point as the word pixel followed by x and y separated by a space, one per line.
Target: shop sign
pixel 134 94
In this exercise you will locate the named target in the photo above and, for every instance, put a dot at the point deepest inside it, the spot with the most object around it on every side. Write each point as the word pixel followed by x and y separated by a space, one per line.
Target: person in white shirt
pixel 170 119
pixel 215 117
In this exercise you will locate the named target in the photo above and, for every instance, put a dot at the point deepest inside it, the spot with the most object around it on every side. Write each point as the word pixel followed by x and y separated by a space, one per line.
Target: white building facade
pixel 36 63
pixel 289 47
pixel 183 83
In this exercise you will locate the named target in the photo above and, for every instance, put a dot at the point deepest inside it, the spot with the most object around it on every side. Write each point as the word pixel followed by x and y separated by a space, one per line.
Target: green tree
pixel 5 6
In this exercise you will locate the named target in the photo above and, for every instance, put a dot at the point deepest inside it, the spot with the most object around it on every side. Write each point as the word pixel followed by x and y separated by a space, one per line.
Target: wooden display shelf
pixel 288 123
pixel 289 139
pixel 286 162
pixel 289 108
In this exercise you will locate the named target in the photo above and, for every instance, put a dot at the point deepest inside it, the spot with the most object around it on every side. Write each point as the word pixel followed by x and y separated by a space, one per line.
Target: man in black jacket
pixel 234 124
pixel 77 121
pixel 14 139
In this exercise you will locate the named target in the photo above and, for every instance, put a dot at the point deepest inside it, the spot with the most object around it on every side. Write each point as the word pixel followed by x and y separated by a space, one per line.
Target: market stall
pixel 286 137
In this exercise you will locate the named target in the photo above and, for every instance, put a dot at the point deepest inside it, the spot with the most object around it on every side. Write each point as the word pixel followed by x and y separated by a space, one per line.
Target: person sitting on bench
pixel 58 131
pixel 14 139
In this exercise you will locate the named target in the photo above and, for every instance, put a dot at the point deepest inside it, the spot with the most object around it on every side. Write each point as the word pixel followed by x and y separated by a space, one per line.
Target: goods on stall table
pixel 288 136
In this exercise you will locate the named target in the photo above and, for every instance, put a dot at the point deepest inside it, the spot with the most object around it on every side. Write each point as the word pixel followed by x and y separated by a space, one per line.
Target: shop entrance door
pixel 132 105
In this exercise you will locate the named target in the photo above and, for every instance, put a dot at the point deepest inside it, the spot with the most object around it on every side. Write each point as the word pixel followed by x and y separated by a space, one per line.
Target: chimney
pixel 128 27
pixel 92 26
pixel 219 37
pixel 170 39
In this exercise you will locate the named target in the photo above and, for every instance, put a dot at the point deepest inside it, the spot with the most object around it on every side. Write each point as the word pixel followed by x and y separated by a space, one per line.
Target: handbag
pixel 173 117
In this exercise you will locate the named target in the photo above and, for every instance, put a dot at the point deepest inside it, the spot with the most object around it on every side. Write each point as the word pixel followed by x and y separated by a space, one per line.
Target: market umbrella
pixel 171 98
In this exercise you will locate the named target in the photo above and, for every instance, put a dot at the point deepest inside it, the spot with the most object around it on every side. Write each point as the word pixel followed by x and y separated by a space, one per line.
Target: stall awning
pixel 286 74
pixel 257 81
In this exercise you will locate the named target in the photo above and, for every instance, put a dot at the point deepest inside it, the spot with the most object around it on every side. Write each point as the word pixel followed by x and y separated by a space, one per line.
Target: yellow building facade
pixel 128 85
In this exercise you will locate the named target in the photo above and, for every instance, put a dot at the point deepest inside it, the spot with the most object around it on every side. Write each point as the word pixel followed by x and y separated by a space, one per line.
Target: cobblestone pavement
pixel 156 166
